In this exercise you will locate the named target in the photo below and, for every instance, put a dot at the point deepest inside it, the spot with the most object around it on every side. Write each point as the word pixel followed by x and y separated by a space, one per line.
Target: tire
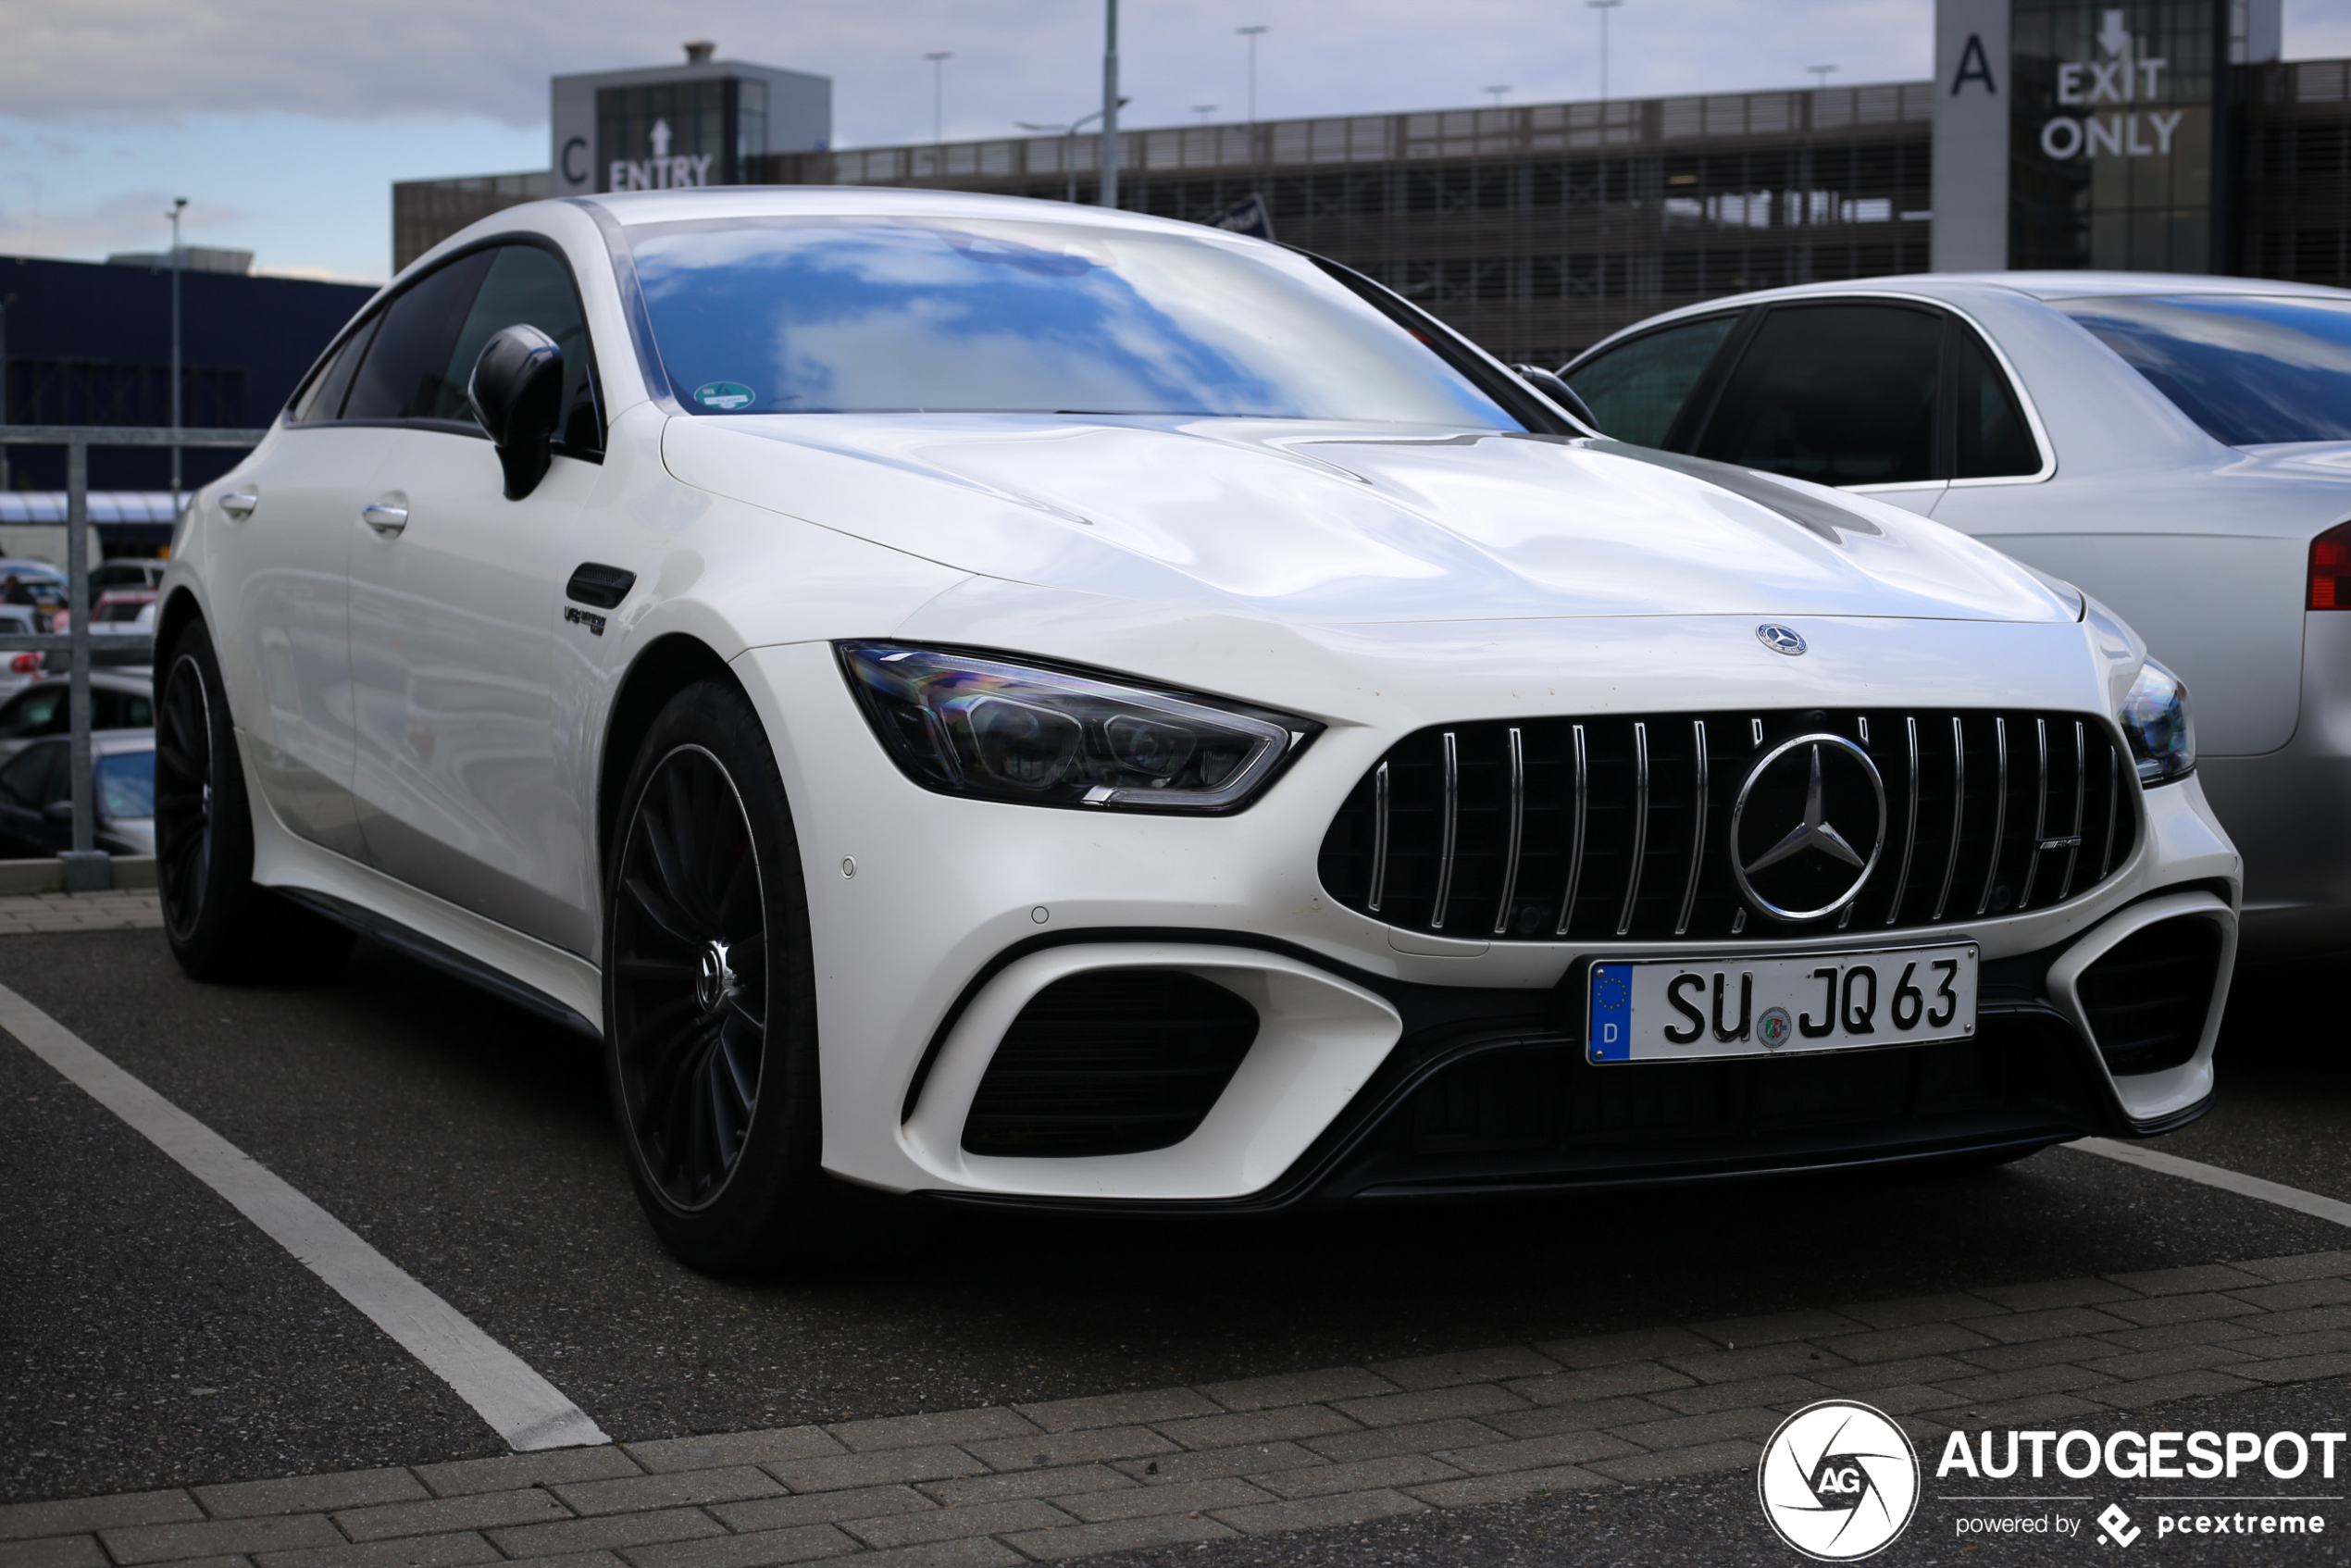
pixel 710 1003
pixel 220 924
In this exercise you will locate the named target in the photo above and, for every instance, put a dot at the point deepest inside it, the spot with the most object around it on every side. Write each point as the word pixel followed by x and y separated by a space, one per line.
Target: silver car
pixel 2178 447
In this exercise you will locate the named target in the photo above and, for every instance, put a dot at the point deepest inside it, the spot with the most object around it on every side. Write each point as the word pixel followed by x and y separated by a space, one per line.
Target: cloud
pixel 132 221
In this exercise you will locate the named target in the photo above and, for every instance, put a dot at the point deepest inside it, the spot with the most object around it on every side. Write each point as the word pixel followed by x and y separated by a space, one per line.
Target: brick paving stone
pixel 1394 1410
pixel 2300 1320
pixel 480 1511
pixel 2295 1369
pixel 1703 1460
pixel 1118 1535
pixel 1690 1431
pixel 509 1471
pixel 2062 1378
pixel 1588 1415
pixel 2033 1352
pixel 1729 1366
pixel 2049 1323
pixel 1909 1312
pixel 736 1447
pixel 2172 1385
pixel 309 1494
pixel 1888 1374
pixel 1419 1437
pixel 2272 1347
pixel 2325 1291
pixel 1070 1448
pixel 2212 1331
pixel 2302 1266
pixel 2044 1294
pixel 1600 1383
pixel 1398 1470
pixel 70 1515
pixel 940 1462
pixel 752 1549
pixel 410 1551
pixel 977 1552
pixel 1508 1487
pixel 1058 1481
pixel 918 1431
pixel 1260 1426
pixel 1118 1409
pixel 573 1559
pixel 1537 1453
pixel 949 1524
pixel 1783 1389
pixel 1193 1496
pixel 1317 1514
pixel 2039 1410
pixel 2181 1281
pixel 161 1543
pixel 1909 1399
pixel 1634 1345
pixel 1902 1344
pixel 2194 1308
pixel 605 1533
pixel 54 1551
pixel 1467 1366
pixel 822 1508
pixel 677 1489
pixel 1775 1328
pixel 2158 1363
pixel 1298 1388
pixel 1242 1459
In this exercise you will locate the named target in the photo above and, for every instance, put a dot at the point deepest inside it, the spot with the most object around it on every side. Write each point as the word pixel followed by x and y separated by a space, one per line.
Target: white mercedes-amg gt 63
pixel 1030 704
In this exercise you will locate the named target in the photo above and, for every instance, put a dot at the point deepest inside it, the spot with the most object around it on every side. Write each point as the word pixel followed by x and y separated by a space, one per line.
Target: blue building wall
pixel 89 344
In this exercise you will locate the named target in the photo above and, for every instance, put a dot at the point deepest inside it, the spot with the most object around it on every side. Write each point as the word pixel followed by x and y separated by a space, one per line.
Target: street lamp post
pixel 1603 8
pixel 1203 110
pixel 1252 34
pixel 179 260
pixel 1603 259
pixel 938 94
pixel 1108 189
pixel 1069 143
pixel 1498 93
pixel 6 301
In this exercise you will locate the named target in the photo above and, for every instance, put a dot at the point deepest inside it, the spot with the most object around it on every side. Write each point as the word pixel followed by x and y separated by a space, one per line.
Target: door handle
pixel 239 503
pixel 387 518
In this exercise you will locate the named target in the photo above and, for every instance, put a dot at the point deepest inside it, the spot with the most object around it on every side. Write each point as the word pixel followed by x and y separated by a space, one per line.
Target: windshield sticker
pixel 725 396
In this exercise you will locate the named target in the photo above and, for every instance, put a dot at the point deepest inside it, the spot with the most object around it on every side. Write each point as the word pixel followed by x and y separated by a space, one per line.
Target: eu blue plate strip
pixel 1611 1036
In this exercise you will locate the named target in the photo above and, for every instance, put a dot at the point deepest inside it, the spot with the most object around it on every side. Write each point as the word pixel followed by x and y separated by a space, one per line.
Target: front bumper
pixel 936 919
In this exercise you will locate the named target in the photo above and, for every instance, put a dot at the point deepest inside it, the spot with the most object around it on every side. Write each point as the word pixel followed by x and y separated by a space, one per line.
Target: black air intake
pixel 1110 1062
pixel 2149 995
pixel 1557 830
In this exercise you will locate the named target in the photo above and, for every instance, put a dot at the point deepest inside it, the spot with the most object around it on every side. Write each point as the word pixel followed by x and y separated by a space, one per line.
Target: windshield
pixel 126 785
pixel 802 315
pixel 2250 371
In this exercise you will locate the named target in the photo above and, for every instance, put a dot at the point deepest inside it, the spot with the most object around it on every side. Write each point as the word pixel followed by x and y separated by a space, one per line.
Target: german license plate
pixel 1783 1005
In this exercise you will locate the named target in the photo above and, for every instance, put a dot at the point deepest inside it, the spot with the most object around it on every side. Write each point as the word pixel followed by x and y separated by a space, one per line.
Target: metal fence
pixel 87 866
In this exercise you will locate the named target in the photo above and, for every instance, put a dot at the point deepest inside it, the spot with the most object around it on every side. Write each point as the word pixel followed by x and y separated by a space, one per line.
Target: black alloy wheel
pixel 183 796
pixel 709 995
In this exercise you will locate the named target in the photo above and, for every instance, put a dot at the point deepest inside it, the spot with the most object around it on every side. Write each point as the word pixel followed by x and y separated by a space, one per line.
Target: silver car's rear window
pixel 2249 369
pixel 792 316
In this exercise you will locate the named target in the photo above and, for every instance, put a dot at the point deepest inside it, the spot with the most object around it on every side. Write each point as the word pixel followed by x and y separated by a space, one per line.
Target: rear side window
pixel 405 372
pixel 527 286
pixel 1993 441
pixel 37 710
pixel 2251 370
pixel 113 709
pixel 1841 394
pixel 1636 389
pixel 36 776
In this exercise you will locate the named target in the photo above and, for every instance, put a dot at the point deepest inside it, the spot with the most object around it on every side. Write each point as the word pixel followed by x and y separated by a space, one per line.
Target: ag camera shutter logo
pixel 1839 1481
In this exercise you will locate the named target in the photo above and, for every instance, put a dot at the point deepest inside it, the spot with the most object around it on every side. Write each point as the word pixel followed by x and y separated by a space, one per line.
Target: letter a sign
pixel 1973 66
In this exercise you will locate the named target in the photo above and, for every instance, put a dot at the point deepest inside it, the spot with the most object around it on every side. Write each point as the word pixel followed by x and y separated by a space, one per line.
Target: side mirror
pixel 58 811
pixel 517 391
pixel 1559 391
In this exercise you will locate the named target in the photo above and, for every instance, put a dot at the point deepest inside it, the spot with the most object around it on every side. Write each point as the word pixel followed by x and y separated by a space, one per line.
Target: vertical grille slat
pixel 1595 828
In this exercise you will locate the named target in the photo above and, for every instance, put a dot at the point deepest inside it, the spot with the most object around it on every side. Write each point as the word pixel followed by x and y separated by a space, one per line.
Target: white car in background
pixel 1041 705
pixel 2178 447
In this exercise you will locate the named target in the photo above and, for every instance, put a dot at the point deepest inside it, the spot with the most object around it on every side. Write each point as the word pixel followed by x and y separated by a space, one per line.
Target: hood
pixel 1348 523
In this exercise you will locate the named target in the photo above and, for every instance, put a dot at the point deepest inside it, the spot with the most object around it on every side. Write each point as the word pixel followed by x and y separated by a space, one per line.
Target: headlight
pixel 2155 718
pixel 963 724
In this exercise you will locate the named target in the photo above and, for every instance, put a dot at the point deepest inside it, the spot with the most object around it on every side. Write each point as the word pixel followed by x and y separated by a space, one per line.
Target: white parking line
pixel 524 1408
pixel 2278 1193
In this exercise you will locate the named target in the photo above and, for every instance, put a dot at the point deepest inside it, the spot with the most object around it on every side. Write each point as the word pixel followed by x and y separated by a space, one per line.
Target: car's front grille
pixel 2147 997
pixel 1110 1062
pixel 1610 827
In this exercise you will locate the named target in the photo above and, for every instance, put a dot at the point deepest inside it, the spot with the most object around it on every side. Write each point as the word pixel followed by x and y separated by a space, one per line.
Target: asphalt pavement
pixel 150 1337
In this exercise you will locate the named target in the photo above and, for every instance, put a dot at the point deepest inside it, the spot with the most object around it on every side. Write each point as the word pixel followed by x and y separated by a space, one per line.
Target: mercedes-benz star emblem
pixel 1813 866
pixel 1780 639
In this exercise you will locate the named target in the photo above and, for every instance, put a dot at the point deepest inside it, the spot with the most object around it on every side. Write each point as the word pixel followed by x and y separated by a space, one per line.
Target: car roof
pixel 633 208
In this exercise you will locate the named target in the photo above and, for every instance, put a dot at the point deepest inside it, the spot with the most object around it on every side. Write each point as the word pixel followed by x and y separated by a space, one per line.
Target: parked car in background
pixel 2179 447
pixel 118 700
pixel 36 795
pixel 126 571
pixel 18 669
pixel 115 612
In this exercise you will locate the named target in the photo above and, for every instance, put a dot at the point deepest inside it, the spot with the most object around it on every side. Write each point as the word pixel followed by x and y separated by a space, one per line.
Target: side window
pixel 528 285
pixel 1993 439
pixel 1841 394
pixel 322 400
pixel 1636 389
pixel 402 375
pixel 113 709
pixel 39 710
pixel 137 713
pixel 34 776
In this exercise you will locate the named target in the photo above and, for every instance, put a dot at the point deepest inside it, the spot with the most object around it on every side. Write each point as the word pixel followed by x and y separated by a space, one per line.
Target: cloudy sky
pixel 284 122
